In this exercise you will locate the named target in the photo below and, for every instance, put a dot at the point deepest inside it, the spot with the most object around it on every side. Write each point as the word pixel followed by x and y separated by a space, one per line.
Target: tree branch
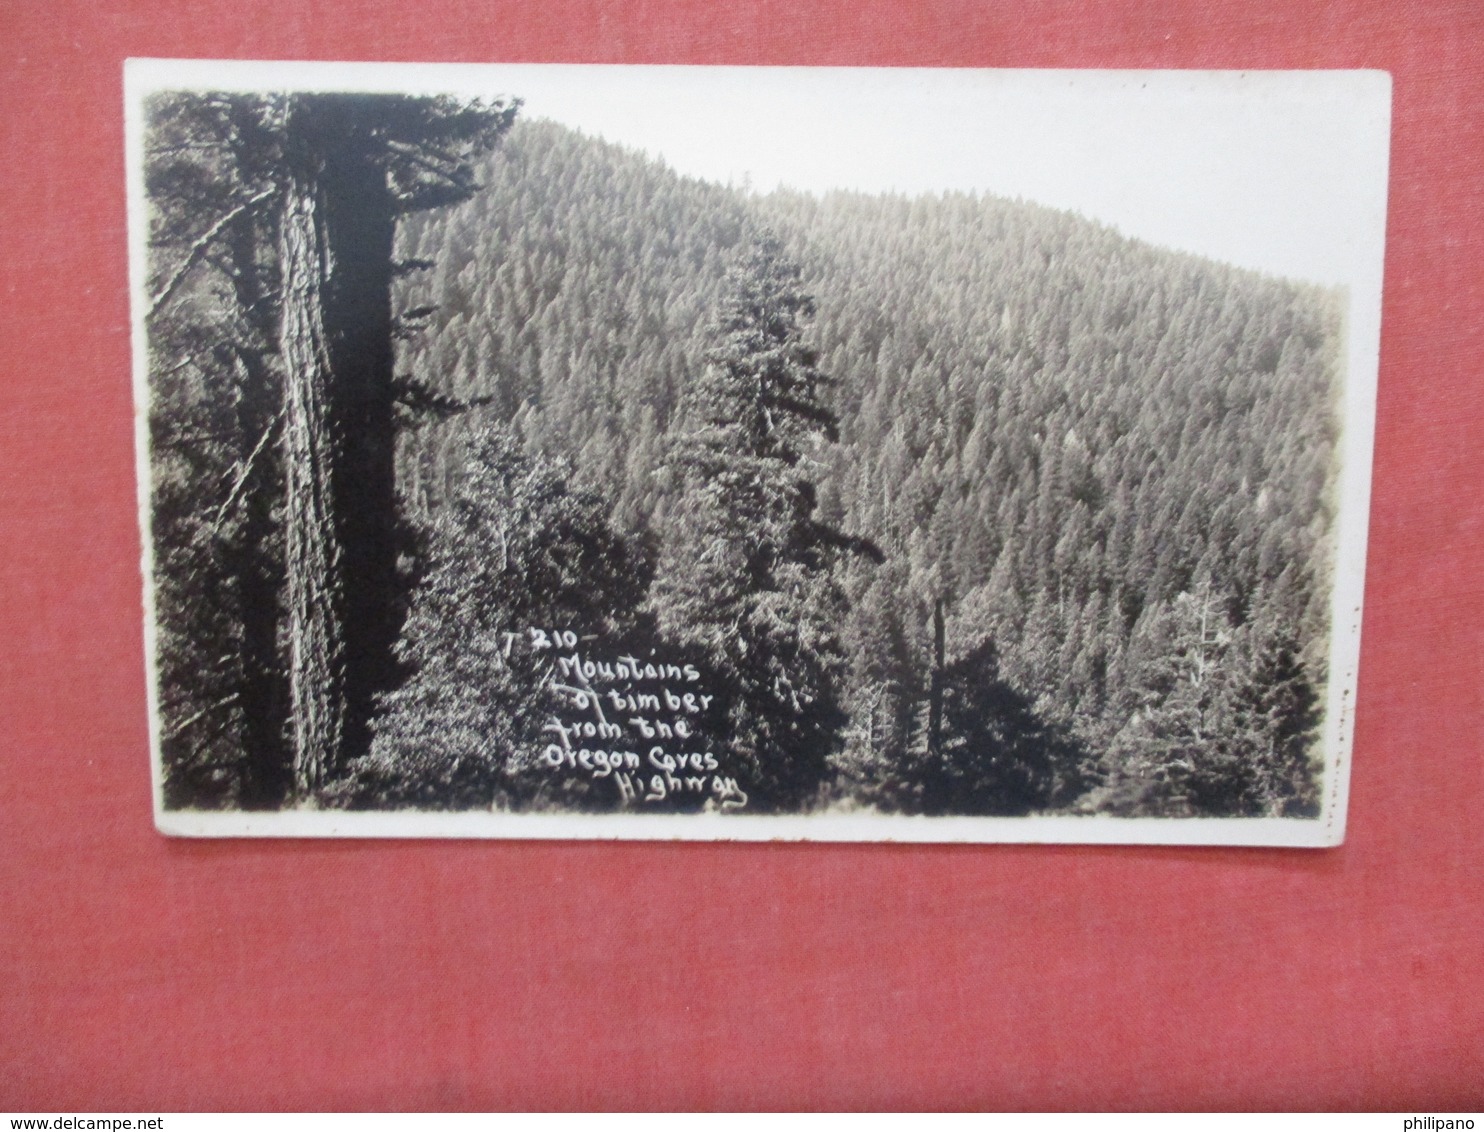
pixel 427 156
pixel 179 728
pixel 198 249
pixel 186 147
pixel 221 512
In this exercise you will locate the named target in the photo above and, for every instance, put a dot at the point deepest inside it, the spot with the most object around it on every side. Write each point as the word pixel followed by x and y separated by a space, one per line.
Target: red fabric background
pixel 138 972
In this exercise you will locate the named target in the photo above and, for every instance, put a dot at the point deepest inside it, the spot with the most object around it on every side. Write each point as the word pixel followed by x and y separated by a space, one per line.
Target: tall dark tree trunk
pixel 935 686
pixel 339 435
pixel 312 552
pixel 360 221
pixel 340 440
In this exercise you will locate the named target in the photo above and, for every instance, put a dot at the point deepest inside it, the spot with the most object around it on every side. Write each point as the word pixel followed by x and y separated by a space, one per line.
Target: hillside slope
pixel 1105 467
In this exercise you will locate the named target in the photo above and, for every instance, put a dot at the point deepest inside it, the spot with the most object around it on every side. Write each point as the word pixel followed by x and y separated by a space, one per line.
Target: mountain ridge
pixel 1064 436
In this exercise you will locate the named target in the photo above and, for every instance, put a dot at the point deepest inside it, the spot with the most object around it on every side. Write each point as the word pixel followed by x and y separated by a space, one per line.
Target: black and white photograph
pixel 754 453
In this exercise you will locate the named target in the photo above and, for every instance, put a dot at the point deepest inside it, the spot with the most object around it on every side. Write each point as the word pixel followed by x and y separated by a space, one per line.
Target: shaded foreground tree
pixel 989 752
pixel 210 167
pixel 292 201
pixel 517 547
pixel 353 164
pixel 972 742
pixel 746 576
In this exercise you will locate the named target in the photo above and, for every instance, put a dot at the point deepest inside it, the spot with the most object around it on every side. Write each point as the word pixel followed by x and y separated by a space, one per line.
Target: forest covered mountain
pixel 1105 466
pixel 941 505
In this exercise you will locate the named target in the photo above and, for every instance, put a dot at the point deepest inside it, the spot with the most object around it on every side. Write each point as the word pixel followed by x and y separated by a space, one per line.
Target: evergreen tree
pixel 352 164
pixel 1179 754
pixel 271 334
pixel 746 574
pixel 1226 720
pixel 880 696
pixel 994 753
pixel 1275 729
pixel 210 168
pixel 517 548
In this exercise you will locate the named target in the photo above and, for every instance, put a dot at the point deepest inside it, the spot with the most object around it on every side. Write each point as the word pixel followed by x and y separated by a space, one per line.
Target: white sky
pixel 1280 171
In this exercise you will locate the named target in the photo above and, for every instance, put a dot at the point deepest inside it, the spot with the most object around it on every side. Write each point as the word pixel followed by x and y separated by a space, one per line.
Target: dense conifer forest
pixel 942 505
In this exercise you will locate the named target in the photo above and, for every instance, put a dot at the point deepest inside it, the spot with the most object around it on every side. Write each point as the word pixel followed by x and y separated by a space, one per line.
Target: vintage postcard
pixel 754 453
